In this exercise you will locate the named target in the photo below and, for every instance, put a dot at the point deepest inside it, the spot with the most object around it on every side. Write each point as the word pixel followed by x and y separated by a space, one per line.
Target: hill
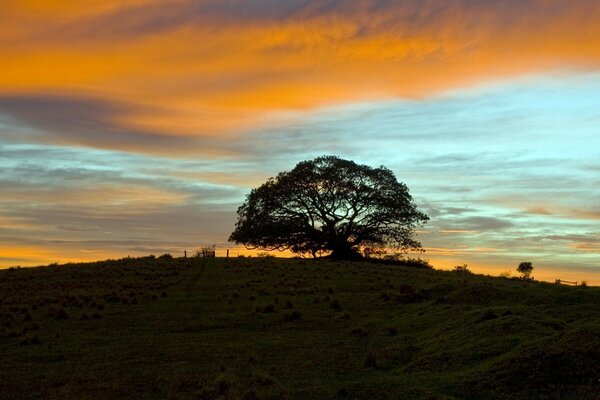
pixel 264 328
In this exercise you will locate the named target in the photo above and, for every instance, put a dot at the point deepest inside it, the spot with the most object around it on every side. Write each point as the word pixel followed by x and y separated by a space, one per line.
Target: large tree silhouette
pixel 329 206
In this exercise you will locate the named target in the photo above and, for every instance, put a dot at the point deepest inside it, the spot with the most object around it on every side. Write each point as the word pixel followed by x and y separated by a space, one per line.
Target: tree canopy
pixel 525 269
pixel 330 206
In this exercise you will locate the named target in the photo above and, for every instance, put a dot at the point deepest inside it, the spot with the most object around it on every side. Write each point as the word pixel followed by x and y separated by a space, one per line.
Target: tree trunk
pixel 345 252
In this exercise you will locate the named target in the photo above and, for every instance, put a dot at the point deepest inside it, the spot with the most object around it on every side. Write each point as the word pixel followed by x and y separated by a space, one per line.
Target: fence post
pixel 227 253
pixel 185 254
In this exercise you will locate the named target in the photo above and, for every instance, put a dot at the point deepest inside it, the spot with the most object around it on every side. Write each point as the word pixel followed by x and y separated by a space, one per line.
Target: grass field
pixel 262 328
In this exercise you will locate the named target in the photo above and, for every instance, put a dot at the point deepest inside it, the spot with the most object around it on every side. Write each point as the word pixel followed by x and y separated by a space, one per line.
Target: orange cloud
pixel 207 68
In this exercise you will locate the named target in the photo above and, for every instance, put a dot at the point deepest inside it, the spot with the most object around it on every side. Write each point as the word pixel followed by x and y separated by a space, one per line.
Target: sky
pixel 138 127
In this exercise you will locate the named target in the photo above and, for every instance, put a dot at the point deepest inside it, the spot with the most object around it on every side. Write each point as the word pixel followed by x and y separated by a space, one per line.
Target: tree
pixel 329 206
pixel 525 268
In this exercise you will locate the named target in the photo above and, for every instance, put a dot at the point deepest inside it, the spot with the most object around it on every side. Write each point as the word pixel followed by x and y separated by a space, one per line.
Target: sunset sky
pixel 137 127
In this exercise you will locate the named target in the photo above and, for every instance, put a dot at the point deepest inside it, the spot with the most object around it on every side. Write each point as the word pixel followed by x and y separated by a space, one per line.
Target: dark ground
pixel 291 329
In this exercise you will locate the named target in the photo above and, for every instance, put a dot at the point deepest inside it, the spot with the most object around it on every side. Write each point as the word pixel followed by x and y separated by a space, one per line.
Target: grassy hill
pixel 291 329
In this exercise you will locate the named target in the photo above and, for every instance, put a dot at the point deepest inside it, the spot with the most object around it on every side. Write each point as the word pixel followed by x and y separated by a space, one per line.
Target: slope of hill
pixel 291 329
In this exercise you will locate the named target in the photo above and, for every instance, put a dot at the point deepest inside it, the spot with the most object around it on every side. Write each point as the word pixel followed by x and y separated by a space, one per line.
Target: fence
pixel 560 282
pixel 207 253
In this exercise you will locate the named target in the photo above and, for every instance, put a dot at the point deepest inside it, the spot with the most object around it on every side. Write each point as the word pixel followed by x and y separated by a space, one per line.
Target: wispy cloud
pixel 190 69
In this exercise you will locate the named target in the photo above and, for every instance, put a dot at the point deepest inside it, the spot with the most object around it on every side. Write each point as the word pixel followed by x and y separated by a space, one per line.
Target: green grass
pixel 291 329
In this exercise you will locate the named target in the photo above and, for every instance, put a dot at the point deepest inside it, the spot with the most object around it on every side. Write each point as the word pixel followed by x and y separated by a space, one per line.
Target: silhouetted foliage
pixel 462 269
pixel 401 260
pixel 329 206
pixel 525 268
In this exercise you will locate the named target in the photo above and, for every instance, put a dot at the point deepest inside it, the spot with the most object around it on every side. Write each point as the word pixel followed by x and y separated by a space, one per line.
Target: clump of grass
pixel 295 315
pixel 487 315
pixel 344 317
pixel 32 327
pixel 269 308
pixel 335 305
pixel 30 340
pixel 358 331
pixel 263 379
pixel 371 361
pixel 57 313
pixel 223 384
pixel 250 394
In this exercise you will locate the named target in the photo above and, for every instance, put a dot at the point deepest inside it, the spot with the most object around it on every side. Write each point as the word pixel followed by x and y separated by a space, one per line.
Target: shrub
pixel 462 269
pixel 399 259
